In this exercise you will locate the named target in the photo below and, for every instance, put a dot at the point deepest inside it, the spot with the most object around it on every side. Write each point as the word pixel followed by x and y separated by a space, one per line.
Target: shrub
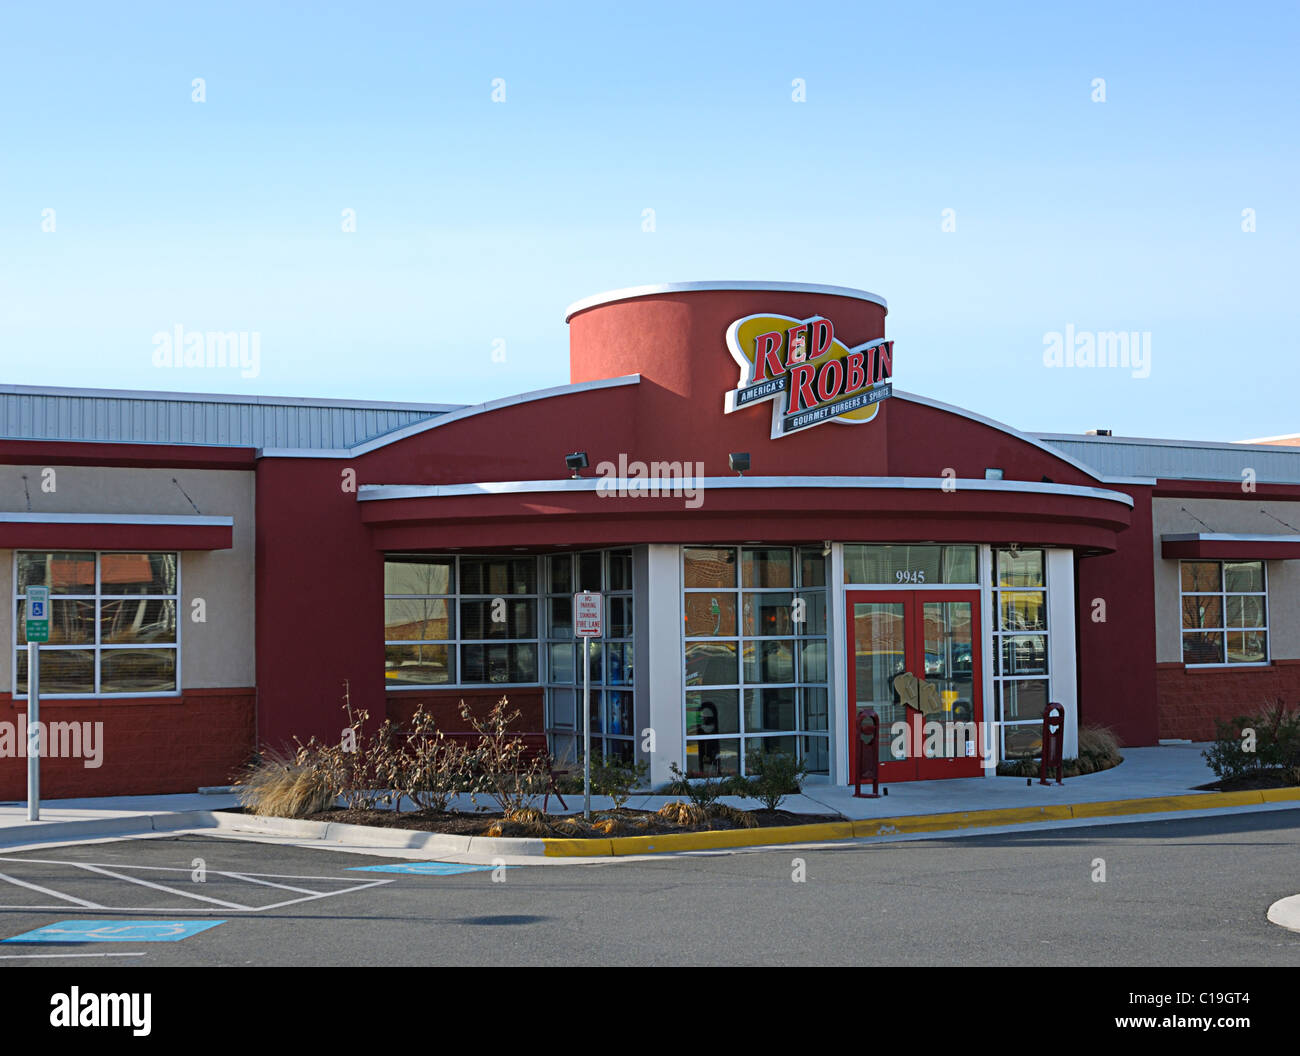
pixel 614 777
pixel 499 764
pixel 1098 750
pixel 1249 745
pixel 687 815
pixel 775 775
pixel 702 792
pixel 430 768
pixel 1099 743
pixel 285 788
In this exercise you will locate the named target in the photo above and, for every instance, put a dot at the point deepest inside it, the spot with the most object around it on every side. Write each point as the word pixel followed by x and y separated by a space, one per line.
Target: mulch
pixel 1249 783
pixel 457 823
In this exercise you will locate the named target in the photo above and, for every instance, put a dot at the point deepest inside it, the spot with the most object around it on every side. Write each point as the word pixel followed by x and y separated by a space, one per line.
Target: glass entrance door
pixel 915 659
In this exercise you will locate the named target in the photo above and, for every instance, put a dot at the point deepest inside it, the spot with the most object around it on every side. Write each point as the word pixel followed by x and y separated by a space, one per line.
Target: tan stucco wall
pixel 215 654
pixel 1227 515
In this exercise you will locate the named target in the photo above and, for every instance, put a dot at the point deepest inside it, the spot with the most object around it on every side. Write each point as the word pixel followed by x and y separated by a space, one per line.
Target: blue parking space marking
pixel 116 931
pixel 424 868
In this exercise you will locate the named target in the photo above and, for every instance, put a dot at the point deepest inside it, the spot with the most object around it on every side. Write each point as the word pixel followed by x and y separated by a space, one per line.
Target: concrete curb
pixel 434 843
pixel 99 828
pixel 919 823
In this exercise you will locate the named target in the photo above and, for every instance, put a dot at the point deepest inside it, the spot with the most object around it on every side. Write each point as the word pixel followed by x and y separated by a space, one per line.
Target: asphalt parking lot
pixel 1179 892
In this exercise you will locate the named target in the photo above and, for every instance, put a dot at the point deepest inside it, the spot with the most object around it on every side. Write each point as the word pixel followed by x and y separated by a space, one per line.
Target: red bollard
pixel 868 752
pixel 1053 742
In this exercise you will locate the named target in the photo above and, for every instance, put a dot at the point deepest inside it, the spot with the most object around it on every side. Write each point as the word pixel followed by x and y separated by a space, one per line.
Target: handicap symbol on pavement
pixel 423 868
pixel 116 931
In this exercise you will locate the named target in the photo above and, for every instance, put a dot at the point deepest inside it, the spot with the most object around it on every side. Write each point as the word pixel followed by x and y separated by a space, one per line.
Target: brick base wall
pixel 1191 699
pixel 150 746
pixel 444 704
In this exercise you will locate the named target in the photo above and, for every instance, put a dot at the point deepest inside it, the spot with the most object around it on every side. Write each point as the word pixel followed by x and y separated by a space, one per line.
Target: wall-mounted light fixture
pixel 739 462
pixel 576 462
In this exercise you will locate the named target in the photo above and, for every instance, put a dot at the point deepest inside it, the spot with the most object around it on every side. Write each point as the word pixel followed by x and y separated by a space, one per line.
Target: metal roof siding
pixel 30 413
pixel 1180 459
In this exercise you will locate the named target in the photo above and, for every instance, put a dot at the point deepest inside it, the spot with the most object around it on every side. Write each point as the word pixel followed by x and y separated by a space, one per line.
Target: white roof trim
pixel 184 520
pixel 629 292
pixel 446 419
pixel 387 492
pixel 215 397
pixel 1226 445
pixel 1269 440
pixel 1002 427
pixel 1144 481
pixel 1228 537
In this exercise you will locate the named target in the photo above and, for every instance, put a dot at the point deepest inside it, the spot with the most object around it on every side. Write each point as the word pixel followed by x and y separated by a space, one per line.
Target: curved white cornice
pixel 691 287
pixel 388 492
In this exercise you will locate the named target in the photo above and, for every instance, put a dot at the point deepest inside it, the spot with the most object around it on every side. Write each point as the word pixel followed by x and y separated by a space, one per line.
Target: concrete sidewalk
pixel 1146 773
pixel 76 819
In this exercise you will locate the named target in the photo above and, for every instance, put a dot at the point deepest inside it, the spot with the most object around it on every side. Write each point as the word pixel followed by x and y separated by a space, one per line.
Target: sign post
pixel 587 611
pixel 38 630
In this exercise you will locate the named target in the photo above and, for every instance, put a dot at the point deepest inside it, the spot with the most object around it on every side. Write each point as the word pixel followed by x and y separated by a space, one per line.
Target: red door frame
pixel 917 766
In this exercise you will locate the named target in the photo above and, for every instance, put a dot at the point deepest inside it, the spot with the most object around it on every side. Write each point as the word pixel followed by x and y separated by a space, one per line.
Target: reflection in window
pixel 113 622
pixel 459 620
pixel 755 656
pixel 1020 672
pixel 612 666
pixel 1224 609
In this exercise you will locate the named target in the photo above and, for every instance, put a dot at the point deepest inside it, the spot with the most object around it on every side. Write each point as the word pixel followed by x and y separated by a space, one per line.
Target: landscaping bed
pixel 1098 750
pixel 1251 782
pixel 604 823
pixel 421 764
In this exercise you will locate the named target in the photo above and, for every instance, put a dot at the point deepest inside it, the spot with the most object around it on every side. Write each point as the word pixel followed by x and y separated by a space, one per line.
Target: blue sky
pixel 479 221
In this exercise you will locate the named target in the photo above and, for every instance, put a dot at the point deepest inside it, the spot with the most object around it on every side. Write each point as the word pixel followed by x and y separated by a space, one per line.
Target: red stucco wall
pixel 1117 658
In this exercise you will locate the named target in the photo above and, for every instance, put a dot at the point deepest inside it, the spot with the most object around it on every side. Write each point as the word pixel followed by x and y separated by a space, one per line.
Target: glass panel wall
pixel 910 565
pixel 755 657
pixel 452 621
pixel 1020 673
pixel 613 720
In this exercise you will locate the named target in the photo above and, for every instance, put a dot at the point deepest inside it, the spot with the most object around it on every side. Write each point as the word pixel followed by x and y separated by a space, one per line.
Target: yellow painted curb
pixel 964 820
pixel 1162 804
pixel 868 827
pixel 559 848
pixel 1280 795
pixel 707 841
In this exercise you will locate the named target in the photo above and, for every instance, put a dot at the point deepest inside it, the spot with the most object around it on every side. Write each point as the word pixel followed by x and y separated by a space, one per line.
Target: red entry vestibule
pixel 933 635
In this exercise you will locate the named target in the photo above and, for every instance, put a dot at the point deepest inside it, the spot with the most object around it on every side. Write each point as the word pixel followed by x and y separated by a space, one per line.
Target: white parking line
pixel 160 887
pixel 22 956
pixel 263 879
pixel 47 891
pixel 323 894
pixel 255 880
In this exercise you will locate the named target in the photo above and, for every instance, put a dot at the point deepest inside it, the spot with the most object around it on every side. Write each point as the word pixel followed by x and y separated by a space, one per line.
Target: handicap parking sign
pixel 69 931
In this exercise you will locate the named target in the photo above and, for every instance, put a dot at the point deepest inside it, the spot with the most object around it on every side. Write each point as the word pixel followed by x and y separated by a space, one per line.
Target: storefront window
pixel 612 663
pixel 755 656
pixel 460 620
pixel 1020 672
pixel 909 565
pixel 1224 612
pixel 113 626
